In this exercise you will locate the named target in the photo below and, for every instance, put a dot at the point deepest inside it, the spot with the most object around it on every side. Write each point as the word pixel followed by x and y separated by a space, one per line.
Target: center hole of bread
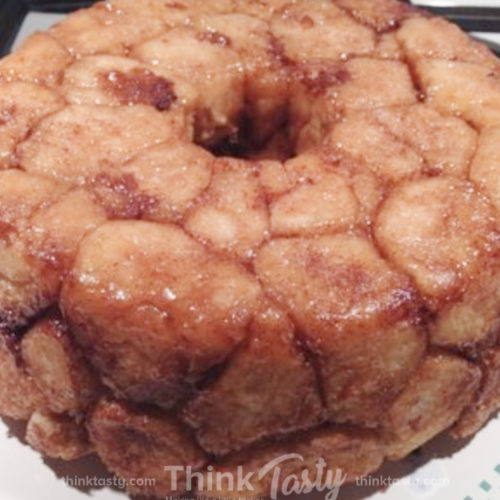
pixel 250 138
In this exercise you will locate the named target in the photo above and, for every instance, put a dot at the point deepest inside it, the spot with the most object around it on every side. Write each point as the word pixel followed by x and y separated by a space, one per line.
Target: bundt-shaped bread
pixel 237 229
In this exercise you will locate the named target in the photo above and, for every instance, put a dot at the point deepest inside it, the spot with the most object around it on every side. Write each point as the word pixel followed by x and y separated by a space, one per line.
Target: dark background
pixel 12 13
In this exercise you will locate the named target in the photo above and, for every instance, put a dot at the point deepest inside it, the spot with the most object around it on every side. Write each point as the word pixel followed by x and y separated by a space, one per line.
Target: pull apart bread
pixel 237 229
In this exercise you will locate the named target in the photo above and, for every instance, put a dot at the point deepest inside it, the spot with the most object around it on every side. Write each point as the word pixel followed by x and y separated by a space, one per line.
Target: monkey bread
pixel 233 230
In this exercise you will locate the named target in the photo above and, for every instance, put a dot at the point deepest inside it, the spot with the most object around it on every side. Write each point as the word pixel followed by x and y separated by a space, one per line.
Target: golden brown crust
pixel 58 367
pixel 139 445
pixel 326 284
pixel 22 106
pixel 486 401
pixel 444 234
pixel 343 451
pixel 432 401
pixel 40 59
pixel 38 241
pixel 51 150
pixel 436 38
pixel 268 389
pixel 155 310
pixel 379 14
pixel 19 394
pixel 57 436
